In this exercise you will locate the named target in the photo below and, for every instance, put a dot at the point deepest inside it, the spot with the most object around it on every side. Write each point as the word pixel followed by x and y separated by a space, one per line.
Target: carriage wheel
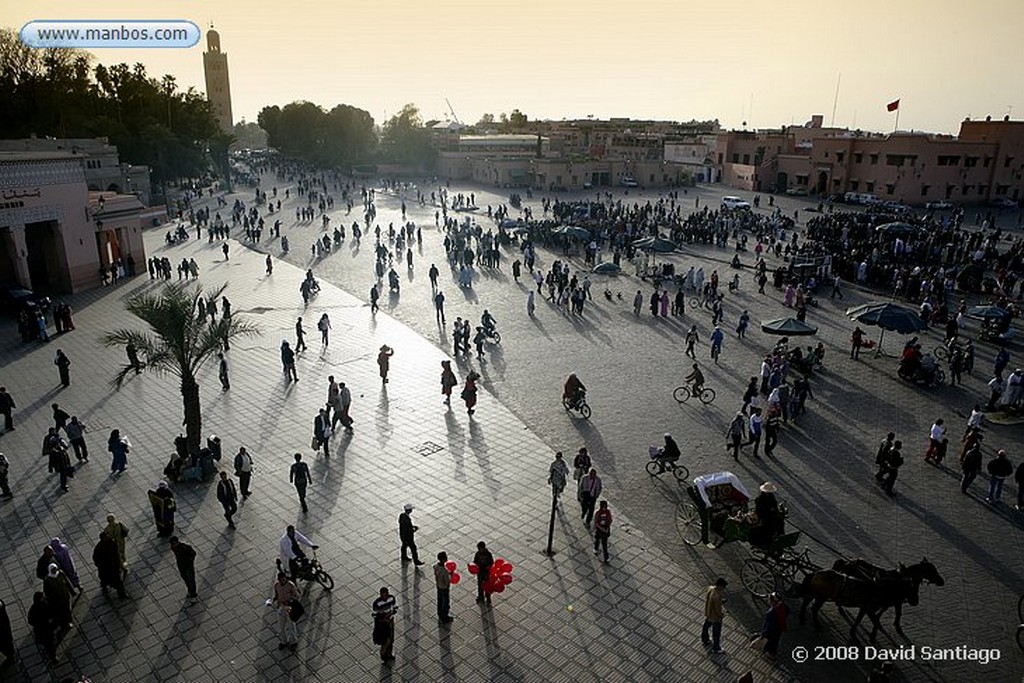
pixel 689 523
pixel 758 577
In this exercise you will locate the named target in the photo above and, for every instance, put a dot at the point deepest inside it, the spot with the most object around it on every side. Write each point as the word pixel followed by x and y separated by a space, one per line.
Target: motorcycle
pixel 927 373
pixel 310 569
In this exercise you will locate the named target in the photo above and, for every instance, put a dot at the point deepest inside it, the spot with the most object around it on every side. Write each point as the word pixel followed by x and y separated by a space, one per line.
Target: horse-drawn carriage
pixel 717 512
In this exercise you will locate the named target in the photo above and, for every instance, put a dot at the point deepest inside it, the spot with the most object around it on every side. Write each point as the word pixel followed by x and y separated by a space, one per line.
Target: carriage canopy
pixel 719 487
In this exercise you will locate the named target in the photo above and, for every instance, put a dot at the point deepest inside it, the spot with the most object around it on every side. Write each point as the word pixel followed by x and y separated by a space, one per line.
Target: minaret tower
pixel 218 86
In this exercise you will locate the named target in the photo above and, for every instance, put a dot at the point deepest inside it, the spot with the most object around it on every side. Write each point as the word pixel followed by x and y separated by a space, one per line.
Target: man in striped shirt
pixel 384 609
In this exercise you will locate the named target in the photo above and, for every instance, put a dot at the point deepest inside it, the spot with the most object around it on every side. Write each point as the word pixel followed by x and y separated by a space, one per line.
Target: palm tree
pixel 179 342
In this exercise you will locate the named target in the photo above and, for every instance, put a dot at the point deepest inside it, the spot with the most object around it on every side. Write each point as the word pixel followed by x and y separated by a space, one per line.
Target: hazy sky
pixel 767 62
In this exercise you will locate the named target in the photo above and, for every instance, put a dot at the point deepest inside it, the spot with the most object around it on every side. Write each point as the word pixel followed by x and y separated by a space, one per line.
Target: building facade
pixel 54 234
pixel 984 163
pixel 218 84
pixel 104 171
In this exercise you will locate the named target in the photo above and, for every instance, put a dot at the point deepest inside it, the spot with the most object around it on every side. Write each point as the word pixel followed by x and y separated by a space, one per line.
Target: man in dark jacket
pixel 407 533
pixel 971 466
pixel 999 468
pixel 228 497
pixel 483 560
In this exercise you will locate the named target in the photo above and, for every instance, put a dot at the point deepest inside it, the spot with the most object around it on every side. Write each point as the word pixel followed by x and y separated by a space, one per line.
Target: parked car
pixel 14 298
pixel 629 181
pixel 939 205
pixel 732 202
pixel 797 192
pixel 1004 203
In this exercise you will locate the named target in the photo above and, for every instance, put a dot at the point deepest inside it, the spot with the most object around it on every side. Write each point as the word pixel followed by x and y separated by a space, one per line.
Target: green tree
pixel 517 120
pixel 179 342
pixel 404 139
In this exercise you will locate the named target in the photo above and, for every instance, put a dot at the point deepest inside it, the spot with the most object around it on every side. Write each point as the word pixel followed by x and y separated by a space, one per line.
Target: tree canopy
pixel 343 136
pixel 57 92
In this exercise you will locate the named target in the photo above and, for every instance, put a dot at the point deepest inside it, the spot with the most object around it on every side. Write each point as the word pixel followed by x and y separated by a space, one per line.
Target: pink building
pixel 54 235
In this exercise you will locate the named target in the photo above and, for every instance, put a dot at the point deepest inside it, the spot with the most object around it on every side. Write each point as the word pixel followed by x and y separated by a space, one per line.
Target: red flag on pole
pixel 892 106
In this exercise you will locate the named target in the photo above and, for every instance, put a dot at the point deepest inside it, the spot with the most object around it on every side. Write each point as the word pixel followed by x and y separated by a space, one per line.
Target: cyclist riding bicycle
pixel 669 452
pixel 696 380
pixel 488 322
pixel 574 391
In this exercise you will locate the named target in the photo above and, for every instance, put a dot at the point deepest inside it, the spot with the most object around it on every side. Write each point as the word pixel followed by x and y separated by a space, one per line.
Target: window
pixel 965 190
pixel 720 157
pixel 987 161
pixel 870 186
pixel 854 185
pixel 924 190
pixel 839 157
pixel 890 188
pixel 874 159
pixel 1007 161
pixel 971 162
pixel 948 160
pixel 894 159
pixel 982 190
pixel 746 159
pixel 735 158
pixel 1002 189
pixel 858 157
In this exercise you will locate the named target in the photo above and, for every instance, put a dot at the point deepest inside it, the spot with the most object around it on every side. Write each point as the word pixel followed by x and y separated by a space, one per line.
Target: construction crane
pixel 455 116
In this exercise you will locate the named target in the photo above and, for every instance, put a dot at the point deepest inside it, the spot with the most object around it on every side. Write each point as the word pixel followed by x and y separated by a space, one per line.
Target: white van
pixel 733 202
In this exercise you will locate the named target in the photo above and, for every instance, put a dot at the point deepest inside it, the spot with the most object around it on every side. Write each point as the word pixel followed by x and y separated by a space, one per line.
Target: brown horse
pixel 870 589
pixel 864 570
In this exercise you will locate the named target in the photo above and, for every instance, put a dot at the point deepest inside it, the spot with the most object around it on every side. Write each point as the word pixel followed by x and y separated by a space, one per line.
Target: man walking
pixel 228 497
pixel 407 533
pixel 76 436
pixel 602 529
pixel 883 452
pixel 999 468
pixel 384 609
pixel 300 336
pixel 5 467
pixel 892 463
pixel 345 400
pixel 299 475
pixel 444 582
pixel 971 466
pixel 185 556
pixel 225 382
pixel 589 490
pixel 6 406
pixel 243 470
pixel 938 431
pixel 558 474
pixel 836 282
pixel 439 307
pixel 288 362
pixel 713 615
pixel 484 560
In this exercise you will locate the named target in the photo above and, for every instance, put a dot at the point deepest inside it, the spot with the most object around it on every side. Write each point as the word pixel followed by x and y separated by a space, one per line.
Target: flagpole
pixel 897 125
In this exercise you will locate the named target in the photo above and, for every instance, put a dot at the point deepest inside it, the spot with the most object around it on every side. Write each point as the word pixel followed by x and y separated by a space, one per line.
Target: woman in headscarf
pixel 63 559
pixel 57 588
pixel 448 381
pixel 119 448
pixel 163 504
pixel 118 532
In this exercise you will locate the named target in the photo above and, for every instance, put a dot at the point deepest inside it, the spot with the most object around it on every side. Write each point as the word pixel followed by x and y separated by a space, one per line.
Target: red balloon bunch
pixel 451 567
pixel 499 577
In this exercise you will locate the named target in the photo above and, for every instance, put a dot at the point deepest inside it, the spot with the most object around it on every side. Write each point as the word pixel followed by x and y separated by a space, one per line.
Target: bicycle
pixel 658 466
pixel 580 406
pixel 682 395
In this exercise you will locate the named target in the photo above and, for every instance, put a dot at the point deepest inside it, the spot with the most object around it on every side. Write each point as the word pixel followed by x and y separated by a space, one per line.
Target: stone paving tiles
pixel 633 620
